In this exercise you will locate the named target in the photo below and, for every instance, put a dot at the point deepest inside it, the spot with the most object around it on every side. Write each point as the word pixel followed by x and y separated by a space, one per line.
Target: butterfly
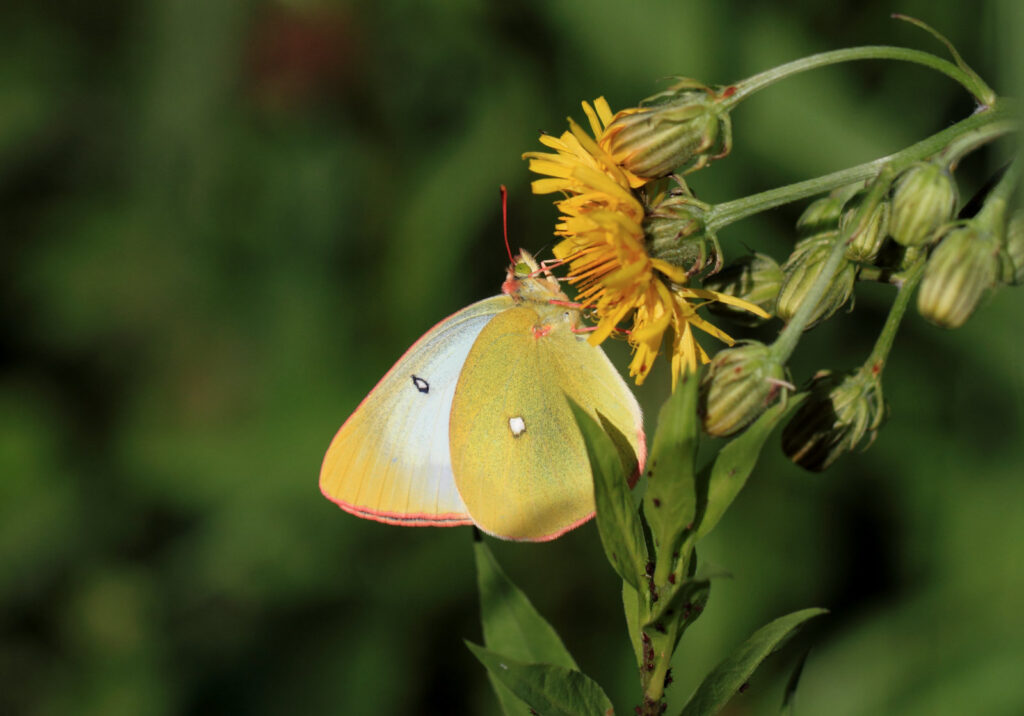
pixel 472 425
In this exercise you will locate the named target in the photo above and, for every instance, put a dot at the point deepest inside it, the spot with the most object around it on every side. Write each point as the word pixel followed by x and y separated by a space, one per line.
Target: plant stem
pixel 883 344
pixel 974 130
pixel 993 211
pixel 784 345
pixel 970 81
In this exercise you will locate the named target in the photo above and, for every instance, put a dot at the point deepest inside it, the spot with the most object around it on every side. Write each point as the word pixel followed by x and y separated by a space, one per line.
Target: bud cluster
pixel 756 278
pixel 924 198
pixel 741 382
pixel 961 270
pixel 682 127
pixel 838 414
pixel 675 231
pixel 801 271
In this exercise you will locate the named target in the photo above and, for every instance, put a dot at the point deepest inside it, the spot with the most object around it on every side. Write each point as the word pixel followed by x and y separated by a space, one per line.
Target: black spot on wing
pixel 420 384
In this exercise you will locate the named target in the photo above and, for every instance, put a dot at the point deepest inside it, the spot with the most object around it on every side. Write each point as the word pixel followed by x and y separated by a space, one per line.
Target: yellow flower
pixel 579 157
pixel 604 245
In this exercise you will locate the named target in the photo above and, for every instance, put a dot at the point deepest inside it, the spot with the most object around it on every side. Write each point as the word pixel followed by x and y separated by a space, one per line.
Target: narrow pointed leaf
pixel 683 603
pixel 547 689
pixel 735 462
pixel 631 607
pixel 670 501
pixel 726 679
pixel 789 697
pixel 618 521
pixel 512 625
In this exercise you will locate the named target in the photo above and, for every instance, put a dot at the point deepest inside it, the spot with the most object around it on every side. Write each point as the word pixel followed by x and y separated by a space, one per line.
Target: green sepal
pixel 618 521
pixel 670 502
pixel 545 688
pixel 728 474
pixel 726 679
pixel 512 625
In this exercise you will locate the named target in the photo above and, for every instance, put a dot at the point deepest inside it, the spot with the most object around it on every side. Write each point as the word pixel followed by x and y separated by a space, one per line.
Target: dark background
pixel 221 222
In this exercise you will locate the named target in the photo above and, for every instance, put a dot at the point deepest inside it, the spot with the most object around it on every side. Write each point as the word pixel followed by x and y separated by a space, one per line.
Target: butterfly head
pixel 527 280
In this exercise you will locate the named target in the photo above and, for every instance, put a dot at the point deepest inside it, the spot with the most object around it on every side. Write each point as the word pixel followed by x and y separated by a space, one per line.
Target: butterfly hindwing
pixel 518 457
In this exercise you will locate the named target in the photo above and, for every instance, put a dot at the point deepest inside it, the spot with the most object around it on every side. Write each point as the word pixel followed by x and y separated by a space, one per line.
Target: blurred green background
pixel 221 222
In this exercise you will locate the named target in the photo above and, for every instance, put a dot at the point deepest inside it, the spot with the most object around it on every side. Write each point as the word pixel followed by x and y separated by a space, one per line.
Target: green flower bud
pixel 674 229
pixel 801 269
pixel 923 199
pixel 836 416
pixel 740 384
pixel 960 271
pixel 867 242
pixel 1013 250
pixel 755 278
pixel 820 216
pixel 675 128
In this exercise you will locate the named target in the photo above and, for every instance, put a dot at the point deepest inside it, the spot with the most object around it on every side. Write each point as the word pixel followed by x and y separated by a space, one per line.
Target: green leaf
pixel 735 462
pixel 726 679
pixel 512 625
pixel 547 689
pixel 684 604
pixel 631 607
pixel 671 500
pixel 789 696
pixel 618 521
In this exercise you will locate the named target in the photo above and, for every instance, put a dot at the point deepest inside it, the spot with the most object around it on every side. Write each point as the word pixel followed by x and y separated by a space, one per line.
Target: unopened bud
pixel 960 271
pixel 675 231
pixel 820 216
pixel 680 127
pixel 1013 250
pixel 834 418
pixel 740 384
pixel 870 234
pixel 801 270
pixel 923 199
pixel 755 278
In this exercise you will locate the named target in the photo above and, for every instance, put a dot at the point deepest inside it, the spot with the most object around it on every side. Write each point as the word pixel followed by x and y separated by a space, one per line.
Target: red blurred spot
pixel 296 57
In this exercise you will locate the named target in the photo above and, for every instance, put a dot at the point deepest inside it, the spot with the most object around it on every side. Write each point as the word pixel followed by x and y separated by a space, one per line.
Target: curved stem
pixel 970 81
pixel 977 129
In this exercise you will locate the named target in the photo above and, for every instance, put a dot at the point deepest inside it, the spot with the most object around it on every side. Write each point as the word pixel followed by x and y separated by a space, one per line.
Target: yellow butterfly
pixel 472 425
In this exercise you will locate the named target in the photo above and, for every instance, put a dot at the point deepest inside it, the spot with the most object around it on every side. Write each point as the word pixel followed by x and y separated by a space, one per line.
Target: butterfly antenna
pixel 504 222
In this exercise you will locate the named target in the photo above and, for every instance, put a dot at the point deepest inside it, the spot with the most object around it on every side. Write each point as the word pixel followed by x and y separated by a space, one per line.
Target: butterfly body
pixel 472 425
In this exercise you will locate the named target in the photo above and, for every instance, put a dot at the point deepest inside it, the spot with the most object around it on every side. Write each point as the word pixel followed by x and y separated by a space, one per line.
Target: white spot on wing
pixel 517 425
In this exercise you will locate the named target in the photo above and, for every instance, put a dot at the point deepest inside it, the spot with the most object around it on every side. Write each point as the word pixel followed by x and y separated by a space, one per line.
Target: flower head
pixel 606 249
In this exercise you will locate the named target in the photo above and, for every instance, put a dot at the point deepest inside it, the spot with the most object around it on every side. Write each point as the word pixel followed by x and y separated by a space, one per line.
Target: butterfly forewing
pixel 390 461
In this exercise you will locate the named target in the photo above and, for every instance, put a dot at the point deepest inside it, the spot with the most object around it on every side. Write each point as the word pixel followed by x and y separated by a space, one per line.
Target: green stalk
pixel 785 344
pixel 970 81
pixel 906 286
pixel 971 132
pixel 993 211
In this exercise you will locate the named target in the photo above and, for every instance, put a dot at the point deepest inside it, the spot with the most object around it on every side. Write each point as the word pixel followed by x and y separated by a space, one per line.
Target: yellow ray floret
pixel 603 244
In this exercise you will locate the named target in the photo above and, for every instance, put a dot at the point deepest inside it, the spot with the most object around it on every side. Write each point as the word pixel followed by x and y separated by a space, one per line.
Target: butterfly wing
pixel 519 460
pixel 390 460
